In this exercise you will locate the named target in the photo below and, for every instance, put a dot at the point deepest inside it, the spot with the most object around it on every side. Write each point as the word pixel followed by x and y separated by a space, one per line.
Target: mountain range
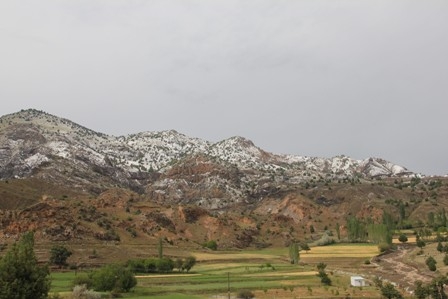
pixel 69 183
pixel 35 143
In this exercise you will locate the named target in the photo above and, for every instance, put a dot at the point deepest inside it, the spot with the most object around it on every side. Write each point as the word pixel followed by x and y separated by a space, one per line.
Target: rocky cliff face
pixel 168 166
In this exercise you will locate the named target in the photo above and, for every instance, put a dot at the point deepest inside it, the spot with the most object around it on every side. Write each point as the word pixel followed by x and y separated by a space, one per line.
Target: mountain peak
pixel 33 142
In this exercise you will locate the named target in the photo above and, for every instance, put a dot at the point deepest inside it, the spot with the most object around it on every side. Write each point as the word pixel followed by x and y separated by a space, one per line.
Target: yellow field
pixel 342 251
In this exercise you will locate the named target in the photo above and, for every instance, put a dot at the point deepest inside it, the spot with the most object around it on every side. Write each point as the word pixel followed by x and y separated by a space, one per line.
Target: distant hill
pixel 70 183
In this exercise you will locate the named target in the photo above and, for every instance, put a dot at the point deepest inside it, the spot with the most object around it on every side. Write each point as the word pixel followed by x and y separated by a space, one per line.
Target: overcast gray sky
pixel 305 77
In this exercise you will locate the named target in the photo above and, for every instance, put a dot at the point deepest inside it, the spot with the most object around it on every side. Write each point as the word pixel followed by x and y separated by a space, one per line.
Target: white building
pixel 358 281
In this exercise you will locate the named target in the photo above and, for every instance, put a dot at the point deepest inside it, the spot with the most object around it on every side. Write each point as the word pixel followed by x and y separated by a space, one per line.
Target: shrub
pixel 81 292
pixel 431 263
pixel 189 263
pixel 211 245
pixel 113 277
pixel 445 260
pixel 382 247
pixel 403 238
pixel 245 294
pixel 164 265
pixel 59 255
pixel 83 279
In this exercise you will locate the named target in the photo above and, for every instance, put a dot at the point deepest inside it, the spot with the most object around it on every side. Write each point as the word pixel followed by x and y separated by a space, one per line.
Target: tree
pixel 211 245
pixel 178 264
pixel 420 292
pixel 321 267
pixel 113 278
pixel 59 255
pixel 356 231
pixel 436 288
pixel 403 238
pixel 440 247
pixel 421 243
pixel 322 274
pixel 20 274
pixel 445 260
pixel 305 246
pixel 389 291
pixel 189 263
pixel 402 212
pixel 431 263
pixel 338 230
pixel 294 254
pixel 165 265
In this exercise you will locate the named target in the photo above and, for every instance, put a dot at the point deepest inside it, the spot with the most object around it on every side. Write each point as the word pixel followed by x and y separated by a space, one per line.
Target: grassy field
pixel 266 272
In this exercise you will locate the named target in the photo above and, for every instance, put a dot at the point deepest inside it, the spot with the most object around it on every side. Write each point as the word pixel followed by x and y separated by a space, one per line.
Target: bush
pixel 245 294
pixel 445 260
pixel 211 245
pixel 59 255
pixel 383 247
pixel 83 279
pixel 81 292
pixel 164 265
pixel 189 263
pixel 403 238
pixel 113 278
pixel 431 263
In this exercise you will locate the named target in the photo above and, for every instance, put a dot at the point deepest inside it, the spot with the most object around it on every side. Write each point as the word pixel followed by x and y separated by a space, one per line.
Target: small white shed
pixel 358 281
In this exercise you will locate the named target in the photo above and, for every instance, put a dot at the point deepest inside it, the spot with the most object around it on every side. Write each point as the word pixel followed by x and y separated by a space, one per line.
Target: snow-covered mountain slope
pixel 35 143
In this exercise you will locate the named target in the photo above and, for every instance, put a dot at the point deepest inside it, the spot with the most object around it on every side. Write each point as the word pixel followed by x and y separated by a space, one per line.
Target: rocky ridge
pixel 168 165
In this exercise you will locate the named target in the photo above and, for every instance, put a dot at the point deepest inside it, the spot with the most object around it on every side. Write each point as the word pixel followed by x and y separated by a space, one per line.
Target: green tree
pixel 445 260
pixel 389 291
pixel 189 263
pixel 356 231
pixel 305 246
pixel 402 212
pixel 421 243
pixel 379 233
pixel 431 263
pixel 20 275
pixel 113 278
pixel 211 245
pixel 420 291
pixel 294 254
pixel 59 255
pixel 338 230
pixel 436 288
pixel 440 247
pixel 403 238
pixel 165 265
pixel 178 264
pixel 322 274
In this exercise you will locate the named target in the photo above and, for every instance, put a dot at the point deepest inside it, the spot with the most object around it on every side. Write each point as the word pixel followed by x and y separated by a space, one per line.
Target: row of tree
pixel 360 230
pixel 161 265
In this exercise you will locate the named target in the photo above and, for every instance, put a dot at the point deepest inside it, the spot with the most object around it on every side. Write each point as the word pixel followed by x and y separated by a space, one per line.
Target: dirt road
pixel 394 268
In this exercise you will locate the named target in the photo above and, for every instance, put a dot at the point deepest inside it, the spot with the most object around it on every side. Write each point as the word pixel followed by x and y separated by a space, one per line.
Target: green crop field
pixel 267 273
